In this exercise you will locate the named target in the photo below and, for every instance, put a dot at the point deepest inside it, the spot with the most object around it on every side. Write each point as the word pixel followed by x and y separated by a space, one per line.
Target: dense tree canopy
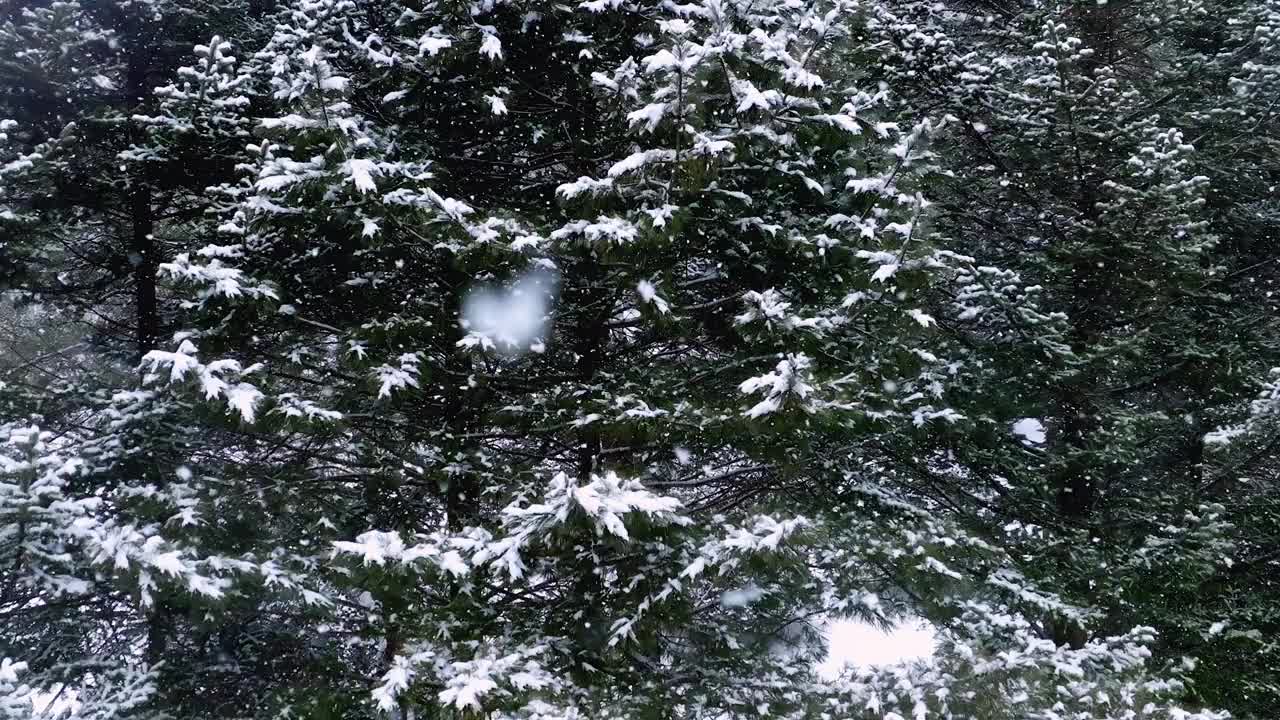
pixel 515 359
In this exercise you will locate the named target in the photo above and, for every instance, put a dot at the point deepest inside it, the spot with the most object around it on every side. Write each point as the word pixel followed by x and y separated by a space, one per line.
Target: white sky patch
pixel 1030 430
pixel 859 644
pixel 511 319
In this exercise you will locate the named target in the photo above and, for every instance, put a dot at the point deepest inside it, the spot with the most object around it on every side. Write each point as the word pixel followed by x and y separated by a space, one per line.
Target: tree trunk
pixel 143 252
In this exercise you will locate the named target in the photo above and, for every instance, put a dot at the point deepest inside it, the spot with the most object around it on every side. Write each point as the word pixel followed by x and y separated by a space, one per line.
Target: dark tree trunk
pixel 143 251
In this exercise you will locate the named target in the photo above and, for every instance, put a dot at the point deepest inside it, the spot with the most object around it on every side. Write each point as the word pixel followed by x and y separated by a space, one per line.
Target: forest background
pixel 551 360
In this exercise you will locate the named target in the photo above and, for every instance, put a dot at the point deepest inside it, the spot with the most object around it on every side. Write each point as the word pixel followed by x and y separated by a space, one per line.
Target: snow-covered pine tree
pixel 61 607
pixel 1237 53
pixel 1091 157
pixel 1236 59
pixel 77 73
pixel 707 233
pixel 103 179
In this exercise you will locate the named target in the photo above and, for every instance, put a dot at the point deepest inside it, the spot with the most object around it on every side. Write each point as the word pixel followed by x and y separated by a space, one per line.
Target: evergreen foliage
pixel 514 359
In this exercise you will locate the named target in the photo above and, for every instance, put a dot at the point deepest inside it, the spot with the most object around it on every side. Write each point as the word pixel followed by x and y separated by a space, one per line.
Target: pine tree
pixel 519 360
pixel 637 516
pixel 1089 157
pixel 103 179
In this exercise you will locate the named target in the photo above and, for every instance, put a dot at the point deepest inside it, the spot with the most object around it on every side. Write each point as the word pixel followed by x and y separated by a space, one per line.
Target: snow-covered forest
pixel 586 360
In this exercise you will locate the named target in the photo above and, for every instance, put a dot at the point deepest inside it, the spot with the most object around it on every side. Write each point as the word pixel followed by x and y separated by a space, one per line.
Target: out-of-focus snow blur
pixel 513 319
